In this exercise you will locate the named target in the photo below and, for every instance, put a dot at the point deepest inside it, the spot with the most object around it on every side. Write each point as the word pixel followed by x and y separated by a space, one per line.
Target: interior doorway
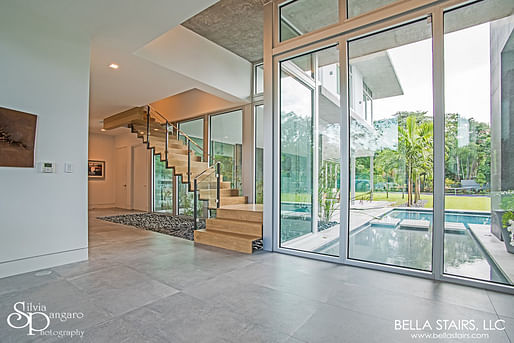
pixel 122 157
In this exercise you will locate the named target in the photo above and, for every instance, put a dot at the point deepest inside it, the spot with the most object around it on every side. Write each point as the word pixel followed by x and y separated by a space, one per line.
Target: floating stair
pixel 238 225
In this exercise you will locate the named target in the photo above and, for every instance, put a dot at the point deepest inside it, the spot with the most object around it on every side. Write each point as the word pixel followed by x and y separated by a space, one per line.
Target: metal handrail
pixel 176 128
pixel 196 180
pixel 201 174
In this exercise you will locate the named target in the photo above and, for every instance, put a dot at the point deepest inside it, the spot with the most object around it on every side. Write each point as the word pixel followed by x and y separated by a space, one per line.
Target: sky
pixel 467 78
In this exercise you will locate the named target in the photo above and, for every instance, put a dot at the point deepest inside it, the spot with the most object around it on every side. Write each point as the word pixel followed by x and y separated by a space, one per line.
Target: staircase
pixel 238 225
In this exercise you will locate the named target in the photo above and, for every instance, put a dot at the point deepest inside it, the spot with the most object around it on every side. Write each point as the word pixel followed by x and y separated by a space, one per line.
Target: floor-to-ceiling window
pixel 226 143
pixel 194 130
pixel 309 152
pixel 163 186
pixel 391 147
pixel 479 141
pixel 259 153
pixel 424 132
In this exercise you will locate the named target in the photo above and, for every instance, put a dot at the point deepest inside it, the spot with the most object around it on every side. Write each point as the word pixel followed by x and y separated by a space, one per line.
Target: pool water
pixel 454 217
pixel 412 248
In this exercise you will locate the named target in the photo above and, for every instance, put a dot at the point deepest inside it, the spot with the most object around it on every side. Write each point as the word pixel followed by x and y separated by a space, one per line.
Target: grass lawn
pixel 469 202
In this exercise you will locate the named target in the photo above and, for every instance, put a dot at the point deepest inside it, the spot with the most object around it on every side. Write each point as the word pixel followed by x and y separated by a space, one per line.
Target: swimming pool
pixel 412 248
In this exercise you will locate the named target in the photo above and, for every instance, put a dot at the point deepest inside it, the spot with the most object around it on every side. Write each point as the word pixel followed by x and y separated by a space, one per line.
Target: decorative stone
pixel 177 226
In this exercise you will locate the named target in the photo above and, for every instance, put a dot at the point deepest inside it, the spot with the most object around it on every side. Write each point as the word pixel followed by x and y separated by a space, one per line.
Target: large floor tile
pixel 25 281
pixel 142 286
pixel 121 289
pixel 56 297
pixel 503 303
pixel 273 309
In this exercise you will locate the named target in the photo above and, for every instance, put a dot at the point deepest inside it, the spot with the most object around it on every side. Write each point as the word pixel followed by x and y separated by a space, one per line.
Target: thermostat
pixel 47 167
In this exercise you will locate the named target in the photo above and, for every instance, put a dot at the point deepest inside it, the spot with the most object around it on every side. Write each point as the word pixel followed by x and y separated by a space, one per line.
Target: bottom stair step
pixel 225 240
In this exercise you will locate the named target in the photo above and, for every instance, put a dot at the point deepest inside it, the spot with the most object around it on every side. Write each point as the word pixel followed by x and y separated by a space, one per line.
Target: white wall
pixel 44 71
pixel 101 191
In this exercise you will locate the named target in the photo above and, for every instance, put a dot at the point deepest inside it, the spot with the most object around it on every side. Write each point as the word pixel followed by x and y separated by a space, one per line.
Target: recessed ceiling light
pixel 113 66
pixel 156 129
pixel 103 130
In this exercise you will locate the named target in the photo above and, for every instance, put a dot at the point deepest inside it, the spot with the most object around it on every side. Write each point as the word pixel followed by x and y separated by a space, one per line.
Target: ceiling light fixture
pixel 103 130
pixel 113 66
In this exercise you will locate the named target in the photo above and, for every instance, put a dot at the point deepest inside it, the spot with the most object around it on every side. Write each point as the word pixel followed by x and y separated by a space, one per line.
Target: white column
pixel 315 147
pixel 270 169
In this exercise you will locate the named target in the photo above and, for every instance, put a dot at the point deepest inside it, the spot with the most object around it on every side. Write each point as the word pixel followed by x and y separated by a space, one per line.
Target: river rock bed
pixel 177 226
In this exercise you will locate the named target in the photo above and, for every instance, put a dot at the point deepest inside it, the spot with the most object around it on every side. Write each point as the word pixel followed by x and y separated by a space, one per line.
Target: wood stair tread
pixel 248 216
pixel 235 226
pixel 232 234
pixel 226 240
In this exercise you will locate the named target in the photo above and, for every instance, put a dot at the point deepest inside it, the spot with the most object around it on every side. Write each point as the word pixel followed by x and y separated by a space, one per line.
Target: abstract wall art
pixel 96 169
pixel 17 138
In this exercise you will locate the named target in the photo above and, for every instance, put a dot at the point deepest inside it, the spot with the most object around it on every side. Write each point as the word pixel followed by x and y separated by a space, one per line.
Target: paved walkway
pixel 142 286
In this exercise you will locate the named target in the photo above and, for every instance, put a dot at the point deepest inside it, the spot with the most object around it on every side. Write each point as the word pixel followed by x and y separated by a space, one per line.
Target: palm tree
pixel 415 145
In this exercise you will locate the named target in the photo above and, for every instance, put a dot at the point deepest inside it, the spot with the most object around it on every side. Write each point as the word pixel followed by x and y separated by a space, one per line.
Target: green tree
pixel 387 164
pixel 416 145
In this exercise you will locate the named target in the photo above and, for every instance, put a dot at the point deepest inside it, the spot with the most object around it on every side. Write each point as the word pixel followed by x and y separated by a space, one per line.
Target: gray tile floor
pixel 141 286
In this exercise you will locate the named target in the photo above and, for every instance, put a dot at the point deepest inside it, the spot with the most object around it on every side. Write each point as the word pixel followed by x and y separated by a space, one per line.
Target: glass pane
pixel 310 116
pixel 163 186
pixel 479 123
pixel 391 147
pixel 226 146
pixel 259 153
pixel 259 79
pixel 358 7
pixel 303 16
pixel 194 129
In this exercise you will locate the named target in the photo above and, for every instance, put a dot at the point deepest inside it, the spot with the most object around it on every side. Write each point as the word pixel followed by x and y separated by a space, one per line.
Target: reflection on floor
pixel 142 286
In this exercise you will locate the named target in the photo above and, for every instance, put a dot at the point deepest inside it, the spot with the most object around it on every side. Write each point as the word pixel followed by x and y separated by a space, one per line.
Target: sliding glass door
pixel 310 118
pixel 391 147
pixel 479 140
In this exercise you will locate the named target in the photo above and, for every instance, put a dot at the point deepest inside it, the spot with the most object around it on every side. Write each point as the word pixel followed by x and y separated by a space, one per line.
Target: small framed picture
pixel 96 169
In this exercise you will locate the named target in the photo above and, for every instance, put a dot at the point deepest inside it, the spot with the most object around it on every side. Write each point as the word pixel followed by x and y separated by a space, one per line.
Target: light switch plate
pixel 68 167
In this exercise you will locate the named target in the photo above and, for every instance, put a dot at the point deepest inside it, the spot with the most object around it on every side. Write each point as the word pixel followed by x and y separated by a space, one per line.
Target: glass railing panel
pixel 205 192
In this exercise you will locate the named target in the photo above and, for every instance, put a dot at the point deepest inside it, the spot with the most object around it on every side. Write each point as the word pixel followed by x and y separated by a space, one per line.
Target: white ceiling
pixel 117 29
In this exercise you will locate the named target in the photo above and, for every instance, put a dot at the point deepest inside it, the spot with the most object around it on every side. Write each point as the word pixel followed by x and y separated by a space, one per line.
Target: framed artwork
pixel 96 169
pixel 17 138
